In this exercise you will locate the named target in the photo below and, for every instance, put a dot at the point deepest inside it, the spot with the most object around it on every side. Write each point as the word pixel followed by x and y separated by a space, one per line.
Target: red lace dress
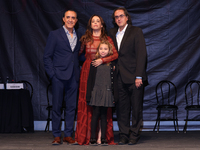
pixel 84 113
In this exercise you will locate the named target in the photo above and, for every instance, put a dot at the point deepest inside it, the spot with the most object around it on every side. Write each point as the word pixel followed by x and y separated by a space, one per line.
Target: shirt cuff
pixel 138 77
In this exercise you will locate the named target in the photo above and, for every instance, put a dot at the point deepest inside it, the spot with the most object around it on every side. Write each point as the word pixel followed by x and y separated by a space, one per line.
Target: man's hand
pixel 138 82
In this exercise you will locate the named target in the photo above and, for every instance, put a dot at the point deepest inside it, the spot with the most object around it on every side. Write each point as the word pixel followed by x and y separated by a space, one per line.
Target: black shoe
pixel 132 142
pixel 122 141
pixel 104 142
pixel 93 142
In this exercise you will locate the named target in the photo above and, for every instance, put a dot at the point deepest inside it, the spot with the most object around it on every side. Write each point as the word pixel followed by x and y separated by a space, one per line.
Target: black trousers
pixel 101 112
pixel 130 102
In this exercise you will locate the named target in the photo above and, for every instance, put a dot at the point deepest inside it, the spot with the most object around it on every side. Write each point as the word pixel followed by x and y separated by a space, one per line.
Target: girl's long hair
pixel 109 47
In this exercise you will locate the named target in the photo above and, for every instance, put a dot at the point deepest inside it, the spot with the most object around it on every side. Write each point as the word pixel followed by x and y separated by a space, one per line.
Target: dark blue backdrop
pixel 171 29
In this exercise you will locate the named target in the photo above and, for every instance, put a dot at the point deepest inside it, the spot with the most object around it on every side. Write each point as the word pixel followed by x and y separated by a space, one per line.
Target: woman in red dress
pixel 95 33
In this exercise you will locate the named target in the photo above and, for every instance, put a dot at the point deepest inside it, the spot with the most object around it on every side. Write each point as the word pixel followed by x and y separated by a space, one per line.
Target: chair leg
pixel 45 128
pixel 185 127
pixel 159 112
pixel 47 125
pixel 186 120
pixel 156 121
pixel 158 126
pixel 48 122
pixel 155 124
pixel 177 125
pixel 177 122
pixel 174 119
pixel 174 125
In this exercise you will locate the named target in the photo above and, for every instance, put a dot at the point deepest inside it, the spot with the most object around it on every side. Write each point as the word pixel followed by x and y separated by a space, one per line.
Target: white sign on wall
pixel 14 86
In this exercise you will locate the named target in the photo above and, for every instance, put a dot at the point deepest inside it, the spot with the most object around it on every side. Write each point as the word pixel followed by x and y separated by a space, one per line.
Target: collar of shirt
pixel 122 30
pixel 72 40
pixel 119 36
pixel 67 32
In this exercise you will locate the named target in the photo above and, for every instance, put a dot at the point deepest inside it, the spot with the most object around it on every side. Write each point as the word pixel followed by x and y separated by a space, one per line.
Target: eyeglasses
pixel 120 16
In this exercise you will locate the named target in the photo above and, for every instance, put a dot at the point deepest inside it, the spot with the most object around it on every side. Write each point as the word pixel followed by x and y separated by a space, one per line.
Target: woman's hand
pixel 97 62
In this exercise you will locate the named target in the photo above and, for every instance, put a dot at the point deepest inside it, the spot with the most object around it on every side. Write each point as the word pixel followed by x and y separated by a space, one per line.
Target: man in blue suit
pixel 62 65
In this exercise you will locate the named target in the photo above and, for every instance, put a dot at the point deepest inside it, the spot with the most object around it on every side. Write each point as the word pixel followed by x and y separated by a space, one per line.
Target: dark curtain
pixel 171 29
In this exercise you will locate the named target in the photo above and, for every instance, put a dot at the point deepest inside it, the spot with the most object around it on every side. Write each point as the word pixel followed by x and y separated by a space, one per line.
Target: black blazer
pixel 132 54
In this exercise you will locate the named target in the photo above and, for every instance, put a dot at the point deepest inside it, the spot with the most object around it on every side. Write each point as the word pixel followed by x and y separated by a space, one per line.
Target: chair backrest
pixel 27 86
pixel 192 89
pixel 166 93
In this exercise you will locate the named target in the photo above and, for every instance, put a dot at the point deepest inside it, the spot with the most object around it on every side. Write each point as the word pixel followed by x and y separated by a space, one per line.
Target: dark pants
pixel 130 100
pixel 58 88
pixel 102 113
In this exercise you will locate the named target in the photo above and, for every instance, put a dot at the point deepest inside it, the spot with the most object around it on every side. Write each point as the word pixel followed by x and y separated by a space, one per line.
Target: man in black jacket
pixel 131 74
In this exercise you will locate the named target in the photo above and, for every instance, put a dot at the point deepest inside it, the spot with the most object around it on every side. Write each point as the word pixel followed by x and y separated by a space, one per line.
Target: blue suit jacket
pixel 59 60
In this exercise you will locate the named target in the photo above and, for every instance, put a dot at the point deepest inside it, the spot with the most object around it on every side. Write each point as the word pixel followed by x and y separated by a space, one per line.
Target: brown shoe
pixel 56 141
pixel 69 140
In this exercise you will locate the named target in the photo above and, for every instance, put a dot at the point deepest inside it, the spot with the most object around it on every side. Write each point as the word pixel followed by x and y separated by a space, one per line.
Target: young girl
pixel 100 91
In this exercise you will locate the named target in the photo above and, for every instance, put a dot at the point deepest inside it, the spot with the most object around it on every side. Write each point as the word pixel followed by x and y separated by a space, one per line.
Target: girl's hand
pixel 97 62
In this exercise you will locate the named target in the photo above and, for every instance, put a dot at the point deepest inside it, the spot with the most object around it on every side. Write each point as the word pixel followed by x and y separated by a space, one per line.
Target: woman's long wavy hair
pixel 87 37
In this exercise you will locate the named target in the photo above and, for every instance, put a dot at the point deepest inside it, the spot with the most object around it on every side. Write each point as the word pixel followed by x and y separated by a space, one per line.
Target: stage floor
pixel 149 141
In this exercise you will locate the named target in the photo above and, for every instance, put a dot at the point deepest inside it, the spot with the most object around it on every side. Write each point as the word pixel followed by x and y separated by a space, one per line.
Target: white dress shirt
pixel 120 35
pixel 72 40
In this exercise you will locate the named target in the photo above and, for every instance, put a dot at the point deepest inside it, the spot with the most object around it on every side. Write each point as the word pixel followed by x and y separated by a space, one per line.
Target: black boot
pixel 93 142
pixel 104 142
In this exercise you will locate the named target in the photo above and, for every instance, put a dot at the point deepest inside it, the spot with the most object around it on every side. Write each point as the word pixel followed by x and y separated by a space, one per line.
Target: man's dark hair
pixel 125 12
pixel 76 25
